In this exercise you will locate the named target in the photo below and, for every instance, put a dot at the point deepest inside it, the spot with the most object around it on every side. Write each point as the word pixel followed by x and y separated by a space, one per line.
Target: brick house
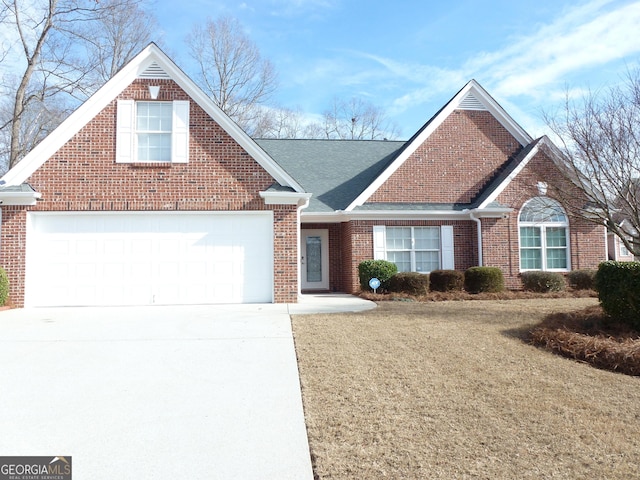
pixel 149 194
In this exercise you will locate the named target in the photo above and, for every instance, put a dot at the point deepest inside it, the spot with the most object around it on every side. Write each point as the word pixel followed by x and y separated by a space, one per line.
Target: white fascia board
pixel 110 90
pixel 285 198
pixel 19 198
pixel 471 87
pixel 491 212
pixel 500 188
pixel 345 216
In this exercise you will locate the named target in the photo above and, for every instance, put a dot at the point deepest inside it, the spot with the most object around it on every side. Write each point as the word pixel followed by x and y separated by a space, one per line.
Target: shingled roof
pixel 335 171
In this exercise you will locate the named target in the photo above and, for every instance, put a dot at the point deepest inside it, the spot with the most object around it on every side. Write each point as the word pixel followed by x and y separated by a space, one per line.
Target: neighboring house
pixel 150 194
pixel 615 246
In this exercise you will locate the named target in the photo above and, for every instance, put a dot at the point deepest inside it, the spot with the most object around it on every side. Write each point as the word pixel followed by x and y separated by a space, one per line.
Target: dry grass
pixel 449 390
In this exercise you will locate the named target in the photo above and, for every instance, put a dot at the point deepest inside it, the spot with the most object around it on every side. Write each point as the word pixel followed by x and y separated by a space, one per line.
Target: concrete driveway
pixel 198 392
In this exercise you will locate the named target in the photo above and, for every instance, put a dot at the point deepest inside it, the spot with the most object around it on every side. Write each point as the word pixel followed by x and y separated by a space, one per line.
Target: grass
pixel 450 390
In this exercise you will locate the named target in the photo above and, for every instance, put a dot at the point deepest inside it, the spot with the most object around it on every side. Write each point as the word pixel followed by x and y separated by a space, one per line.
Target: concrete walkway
pixel 198 392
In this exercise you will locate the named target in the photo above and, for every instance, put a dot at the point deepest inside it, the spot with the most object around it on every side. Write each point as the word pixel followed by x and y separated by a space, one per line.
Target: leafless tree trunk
pixel 600 151
pixel 54 71
pixel 231 69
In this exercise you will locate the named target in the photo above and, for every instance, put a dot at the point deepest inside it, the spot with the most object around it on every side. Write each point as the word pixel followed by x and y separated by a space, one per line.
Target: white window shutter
pixel 446 241
pixel 180 138
pixel 125 131
pixel 379 242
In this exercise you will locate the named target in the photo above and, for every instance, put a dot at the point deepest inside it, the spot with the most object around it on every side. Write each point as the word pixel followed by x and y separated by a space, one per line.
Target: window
pixel 152 131
pixel 544 235
pixel 415 249
pixel 624 251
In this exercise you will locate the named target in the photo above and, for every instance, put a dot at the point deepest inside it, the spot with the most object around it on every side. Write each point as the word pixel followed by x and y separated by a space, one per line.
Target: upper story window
pixel 152 131
pixel 544 235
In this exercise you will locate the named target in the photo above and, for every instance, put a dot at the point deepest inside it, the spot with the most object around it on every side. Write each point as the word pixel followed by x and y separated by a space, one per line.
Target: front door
pixel 314 261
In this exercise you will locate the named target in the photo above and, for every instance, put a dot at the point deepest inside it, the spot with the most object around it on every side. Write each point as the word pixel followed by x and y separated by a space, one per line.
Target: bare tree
pixel 357 119
pixel 50 71
pixel 600 156
pixel 279 122
pixel 115 37
pixel 231 69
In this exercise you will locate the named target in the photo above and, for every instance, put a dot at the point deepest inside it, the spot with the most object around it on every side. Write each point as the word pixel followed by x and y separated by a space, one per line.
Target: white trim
pixel 110 90
pixel 471 88
pixel 286 198
pixel 19 198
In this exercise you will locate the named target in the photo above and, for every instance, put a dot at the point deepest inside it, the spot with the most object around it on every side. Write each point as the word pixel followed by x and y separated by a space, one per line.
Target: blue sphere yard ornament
pixel 374 283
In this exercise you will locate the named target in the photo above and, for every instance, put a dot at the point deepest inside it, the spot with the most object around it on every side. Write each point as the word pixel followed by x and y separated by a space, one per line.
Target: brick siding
pixel 220 176
pixel 464 151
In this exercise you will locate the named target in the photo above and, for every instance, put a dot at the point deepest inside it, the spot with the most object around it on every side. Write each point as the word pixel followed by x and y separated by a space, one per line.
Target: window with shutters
pixel 152 131
pixel 414 249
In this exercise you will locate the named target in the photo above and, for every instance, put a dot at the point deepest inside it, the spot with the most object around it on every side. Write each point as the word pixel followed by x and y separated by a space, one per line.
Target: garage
pixel 147 258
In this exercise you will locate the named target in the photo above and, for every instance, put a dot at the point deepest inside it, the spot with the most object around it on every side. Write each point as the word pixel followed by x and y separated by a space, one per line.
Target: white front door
pixel 314 261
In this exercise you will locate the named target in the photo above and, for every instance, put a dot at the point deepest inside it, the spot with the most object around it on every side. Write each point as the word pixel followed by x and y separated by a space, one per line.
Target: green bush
pixel 380 269
pixel 412 283
pixel 581 279
pixel 4 287
pixel 543 282
pixel 446 281
pixel 483 279
pixel 618 286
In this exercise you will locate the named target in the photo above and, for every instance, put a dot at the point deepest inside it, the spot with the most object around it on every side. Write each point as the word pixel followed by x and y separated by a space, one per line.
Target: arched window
pixel 544 235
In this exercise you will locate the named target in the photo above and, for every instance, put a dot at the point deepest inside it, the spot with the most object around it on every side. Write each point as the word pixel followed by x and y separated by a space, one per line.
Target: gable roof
pixel 471 97
pixel 335 171
pixel 151 62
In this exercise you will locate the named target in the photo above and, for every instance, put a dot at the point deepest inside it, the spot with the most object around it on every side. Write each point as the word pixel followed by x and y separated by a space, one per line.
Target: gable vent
pixel 154 71
pixel 470 102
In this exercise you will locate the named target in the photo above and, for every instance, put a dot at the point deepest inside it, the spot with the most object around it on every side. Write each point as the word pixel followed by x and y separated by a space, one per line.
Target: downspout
pixel 479 234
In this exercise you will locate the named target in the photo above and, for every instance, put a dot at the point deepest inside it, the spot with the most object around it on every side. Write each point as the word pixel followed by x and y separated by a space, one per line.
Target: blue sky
pixel 411 57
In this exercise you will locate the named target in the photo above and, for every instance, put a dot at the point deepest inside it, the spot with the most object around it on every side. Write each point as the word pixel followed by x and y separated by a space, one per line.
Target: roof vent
pixel 470 102
pixel 154 71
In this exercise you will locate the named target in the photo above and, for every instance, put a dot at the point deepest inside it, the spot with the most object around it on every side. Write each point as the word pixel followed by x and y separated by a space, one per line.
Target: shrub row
pixel 473 280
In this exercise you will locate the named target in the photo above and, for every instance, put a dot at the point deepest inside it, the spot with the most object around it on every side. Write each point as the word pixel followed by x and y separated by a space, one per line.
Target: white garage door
pixel 149 258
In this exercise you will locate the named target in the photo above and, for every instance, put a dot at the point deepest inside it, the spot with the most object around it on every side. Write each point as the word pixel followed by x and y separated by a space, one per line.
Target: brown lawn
pixel 449 390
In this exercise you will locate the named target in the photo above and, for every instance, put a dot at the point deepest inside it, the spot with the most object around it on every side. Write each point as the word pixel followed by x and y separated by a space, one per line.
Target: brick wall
pixel 220 176
pixel 464 151
pixel 13 250
pixel 501 236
